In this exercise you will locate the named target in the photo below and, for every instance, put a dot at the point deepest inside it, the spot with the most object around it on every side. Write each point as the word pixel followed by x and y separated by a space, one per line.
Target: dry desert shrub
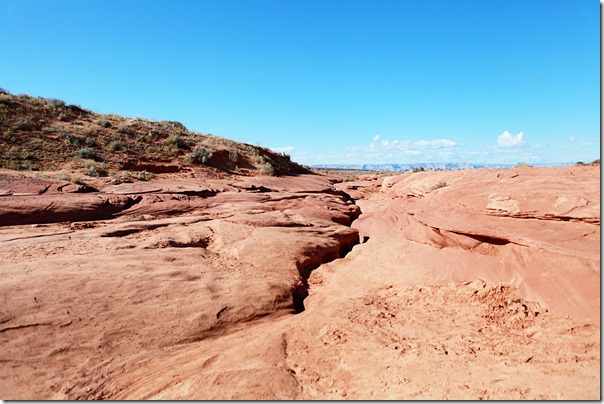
pixel 199 155
pixel 440 184
pixel 266 169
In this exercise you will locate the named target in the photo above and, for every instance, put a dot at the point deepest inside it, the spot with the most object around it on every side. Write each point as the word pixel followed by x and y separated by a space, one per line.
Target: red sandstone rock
pixel 487 288
pixel 537 228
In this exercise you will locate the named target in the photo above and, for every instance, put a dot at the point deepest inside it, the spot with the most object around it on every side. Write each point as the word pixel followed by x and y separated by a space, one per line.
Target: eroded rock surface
pixel 466 285
pixel 186 262
pixel 536 228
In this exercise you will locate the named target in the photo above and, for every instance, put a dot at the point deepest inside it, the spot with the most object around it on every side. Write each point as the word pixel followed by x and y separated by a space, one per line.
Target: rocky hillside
pixel 47 134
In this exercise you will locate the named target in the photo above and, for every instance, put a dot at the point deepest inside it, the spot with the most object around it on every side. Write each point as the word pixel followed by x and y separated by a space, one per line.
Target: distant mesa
pixel 426 166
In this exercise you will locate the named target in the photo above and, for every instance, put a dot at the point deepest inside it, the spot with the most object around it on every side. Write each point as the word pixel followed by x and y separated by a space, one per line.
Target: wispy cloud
pixel 586 143
pixel 434 144
pixel 378 143
pixel 499 154
pixel 572 138
pixel 380 149
pixel 506 139
pixel 286 149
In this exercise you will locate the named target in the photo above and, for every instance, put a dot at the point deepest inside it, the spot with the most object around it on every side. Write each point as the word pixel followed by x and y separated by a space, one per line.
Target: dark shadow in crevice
pixel 485 239
pixel 320 257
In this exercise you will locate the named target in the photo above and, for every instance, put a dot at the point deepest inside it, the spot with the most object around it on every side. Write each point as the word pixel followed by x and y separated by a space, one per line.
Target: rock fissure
pixel 481 238
pixel 18 327
pixel 546 217
pixel 323 256
pixel 485 238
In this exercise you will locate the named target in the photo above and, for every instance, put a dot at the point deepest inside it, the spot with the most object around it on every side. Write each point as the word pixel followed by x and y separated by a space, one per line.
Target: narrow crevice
pixel 335 192
pixel 44 190
pixel 318 258
pixel 221 311
pixel 132 201
pixel 39 235
pixel 299 293
pixel 81 188
pixel 134 228
pixel 18 327
pixel 306 267
pixel 121 232
pixel 206 193
pixel 547 217
pixel 55 211
pixel 201 243
pixel 484 239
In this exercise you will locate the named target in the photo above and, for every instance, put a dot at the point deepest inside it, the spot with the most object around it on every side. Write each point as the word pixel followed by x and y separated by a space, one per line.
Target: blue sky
pixel 382 81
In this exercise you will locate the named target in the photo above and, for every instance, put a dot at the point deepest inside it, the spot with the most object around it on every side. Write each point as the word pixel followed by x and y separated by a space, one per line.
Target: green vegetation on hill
pixel 47 134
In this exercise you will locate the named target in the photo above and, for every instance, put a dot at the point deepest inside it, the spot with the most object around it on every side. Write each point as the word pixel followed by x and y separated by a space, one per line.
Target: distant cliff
pixel 427 166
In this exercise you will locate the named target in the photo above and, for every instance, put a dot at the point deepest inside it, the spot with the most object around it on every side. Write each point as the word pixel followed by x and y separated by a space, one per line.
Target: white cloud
pixel 286 149
pixel 403 145
pixel 434 144
pixel 507 139
pixel 396 149
pixel 586 144
pixel 572 138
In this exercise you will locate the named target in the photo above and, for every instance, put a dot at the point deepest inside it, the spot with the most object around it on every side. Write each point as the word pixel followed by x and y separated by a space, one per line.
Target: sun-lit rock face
pixel 181 261
pixel 480 284
pixel 538 228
